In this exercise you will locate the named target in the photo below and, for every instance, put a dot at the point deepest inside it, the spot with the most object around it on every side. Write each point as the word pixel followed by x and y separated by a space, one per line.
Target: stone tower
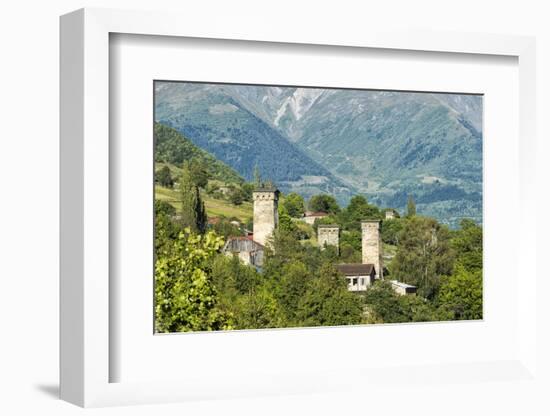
pixel 372 245
pixel 329 235
pixel 390 215
pixel 266 215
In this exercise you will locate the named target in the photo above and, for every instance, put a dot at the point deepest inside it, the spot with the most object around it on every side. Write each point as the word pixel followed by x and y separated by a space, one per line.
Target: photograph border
pixel 324 87
pixel 84 178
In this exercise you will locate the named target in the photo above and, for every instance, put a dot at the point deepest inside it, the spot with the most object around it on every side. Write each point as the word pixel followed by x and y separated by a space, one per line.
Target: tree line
pixel 199 288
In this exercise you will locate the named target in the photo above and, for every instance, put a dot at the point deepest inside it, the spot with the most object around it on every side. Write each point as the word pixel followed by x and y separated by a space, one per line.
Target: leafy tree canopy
pixel 424 255
pixel 324 203
pixel 468 244
pixel 163 177
pixel 461 295
pixel 185 298
pixel 293 204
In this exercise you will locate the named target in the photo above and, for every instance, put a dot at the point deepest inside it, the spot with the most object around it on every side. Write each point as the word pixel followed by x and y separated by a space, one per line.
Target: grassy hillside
pixel 214 207
pixel 172 150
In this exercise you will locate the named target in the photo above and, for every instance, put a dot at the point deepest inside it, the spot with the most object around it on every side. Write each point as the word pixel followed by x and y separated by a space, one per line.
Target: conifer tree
pixel 257 177
pixel 193 212
pixel 411 207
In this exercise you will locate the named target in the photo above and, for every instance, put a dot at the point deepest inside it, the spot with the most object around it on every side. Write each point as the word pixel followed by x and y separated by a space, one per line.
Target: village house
pixel 360 276
pixel 249 251
pixel 310 217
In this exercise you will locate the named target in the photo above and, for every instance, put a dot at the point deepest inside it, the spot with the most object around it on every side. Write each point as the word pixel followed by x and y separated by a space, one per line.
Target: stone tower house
pixel 266 215
pixel 372 245
pixel 329 235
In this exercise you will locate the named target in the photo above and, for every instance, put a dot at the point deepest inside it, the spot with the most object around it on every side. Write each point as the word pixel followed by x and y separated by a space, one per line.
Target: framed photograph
pixel 281 213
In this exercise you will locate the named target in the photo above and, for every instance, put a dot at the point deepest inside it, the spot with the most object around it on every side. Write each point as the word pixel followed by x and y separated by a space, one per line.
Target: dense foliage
pixel 197 287
pixel 293 204
pixel 185 297
pixel 324 203
pixel 424 255
pixel 171 147
pixel 163 177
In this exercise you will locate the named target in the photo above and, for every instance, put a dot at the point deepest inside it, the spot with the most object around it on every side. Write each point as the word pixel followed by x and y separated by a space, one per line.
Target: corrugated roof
pixel 238 244
pixel 403 285
pixel 356 269
pixel 316 214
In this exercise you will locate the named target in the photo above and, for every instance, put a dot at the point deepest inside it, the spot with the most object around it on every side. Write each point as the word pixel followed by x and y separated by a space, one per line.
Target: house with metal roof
pixel 403 288
pixel 249 251
pixel 360 276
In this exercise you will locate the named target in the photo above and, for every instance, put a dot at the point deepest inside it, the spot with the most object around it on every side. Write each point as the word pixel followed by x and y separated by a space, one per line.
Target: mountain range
pixel 386 145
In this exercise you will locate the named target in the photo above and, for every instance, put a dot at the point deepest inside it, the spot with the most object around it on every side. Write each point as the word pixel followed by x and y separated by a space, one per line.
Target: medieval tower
pixel 372 245
pixel 329 235
pixel 266 215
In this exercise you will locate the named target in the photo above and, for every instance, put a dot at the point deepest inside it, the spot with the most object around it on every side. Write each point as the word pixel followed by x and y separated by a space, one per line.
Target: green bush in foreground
pixel 185 297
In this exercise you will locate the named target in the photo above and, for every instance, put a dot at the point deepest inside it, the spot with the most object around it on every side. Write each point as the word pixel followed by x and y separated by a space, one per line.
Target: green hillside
pixel 214 207
pixel 172 148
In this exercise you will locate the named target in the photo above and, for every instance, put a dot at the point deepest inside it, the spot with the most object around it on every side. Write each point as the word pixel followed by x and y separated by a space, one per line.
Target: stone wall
pixel 329 235
pixel 266 216
pixel 372 245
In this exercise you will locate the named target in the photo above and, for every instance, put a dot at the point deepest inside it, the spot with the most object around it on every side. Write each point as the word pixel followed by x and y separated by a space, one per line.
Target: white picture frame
pixel 85 211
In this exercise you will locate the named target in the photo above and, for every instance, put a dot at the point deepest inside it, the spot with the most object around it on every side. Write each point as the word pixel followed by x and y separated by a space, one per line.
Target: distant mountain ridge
pixel 213 119
pixel 385 144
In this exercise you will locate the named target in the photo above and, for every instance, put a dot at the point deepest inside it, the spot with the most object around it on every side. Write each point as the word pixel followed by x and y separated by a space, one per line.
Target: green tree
pixel 286 223
pixel 390 231
pixel 386 306
pixel 165 229
pixel 468 244
pixel 212 188
pixel 225 229
pixel 257 177
pixel 424 254
pixel 358 210
pixel 198 172
pixel 185 297
pixel 327 301
pixel 258 309
pixel 193 212
pixel 292 288
pixel 236 196
pixel 294 205
pixel 383 304
pixel 232 277
pixel 164 178
pixel 324 203
pixel 248 189
pixel 411 207
pixel 461 295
